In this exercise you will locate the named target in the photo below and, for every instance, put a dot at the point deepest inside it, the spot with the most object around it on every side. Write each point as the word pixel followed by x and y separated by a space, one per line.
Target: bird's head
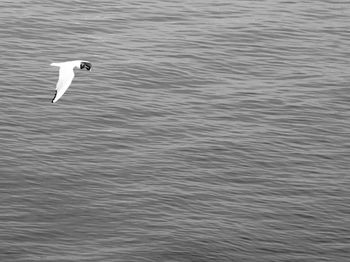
pixel 86 65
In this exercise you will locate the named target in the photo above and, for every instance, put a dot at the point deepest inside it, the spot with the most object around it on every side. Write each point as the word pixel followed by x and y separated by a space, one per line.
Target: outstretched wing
pixel 64 80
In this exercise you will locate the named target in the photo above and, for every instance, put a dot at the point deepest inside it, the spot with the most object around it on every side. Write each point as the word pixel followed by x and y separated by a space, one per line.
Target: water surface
pixel 206 131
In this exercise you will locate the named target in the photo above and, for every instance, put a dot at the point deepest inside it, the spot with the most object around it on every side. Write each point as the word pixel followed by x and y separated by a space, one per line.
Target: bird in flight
pixel 66 75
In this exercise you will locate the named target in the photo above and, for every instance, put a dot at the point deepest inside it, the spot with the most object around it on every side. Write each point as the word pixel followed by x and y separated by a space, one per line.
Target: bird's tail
pixel 55 64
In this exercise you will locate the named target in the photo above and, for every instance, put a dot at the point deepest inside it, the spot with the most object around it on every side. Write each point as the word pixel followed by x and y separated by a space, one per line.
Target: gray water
pixel 206 131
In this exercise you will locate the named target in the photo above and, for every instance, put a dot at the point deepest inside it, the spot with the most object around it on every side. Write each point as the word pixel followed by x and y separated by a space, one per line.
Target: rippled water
pixel 206 131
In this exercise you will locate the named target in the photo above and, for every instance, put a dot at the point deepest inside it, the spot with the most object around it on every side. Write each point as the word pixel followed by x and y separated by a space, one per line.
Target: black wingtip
pixel 54 98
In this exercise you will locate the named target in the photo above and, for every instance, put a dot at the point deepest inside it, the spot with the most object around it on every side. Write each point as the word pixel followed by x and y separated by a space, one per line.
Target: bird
pixel 66 75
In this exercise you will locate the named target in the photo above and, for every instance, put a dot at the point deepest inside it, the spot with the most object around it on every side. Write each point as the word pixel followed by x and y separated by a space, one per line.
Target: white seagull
pixel 66 75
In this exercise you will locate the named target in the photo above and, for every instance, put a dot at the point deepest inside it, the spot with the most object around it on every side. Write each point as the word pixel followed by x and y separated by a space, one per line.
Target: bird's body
pixel 66 75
